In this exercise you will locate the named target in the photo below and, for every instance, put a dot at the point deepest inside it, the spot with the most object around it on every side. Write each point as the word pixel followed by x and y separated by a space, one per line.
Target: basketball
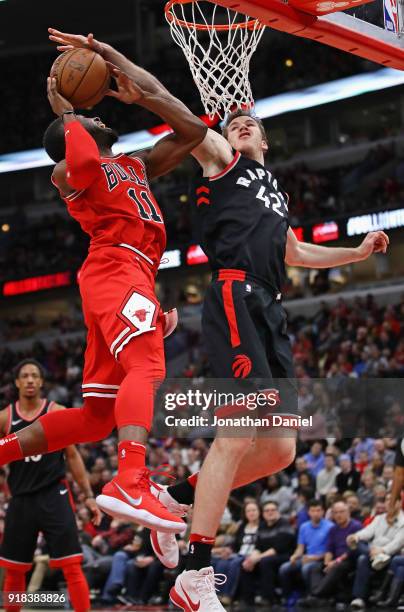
pixel 82 77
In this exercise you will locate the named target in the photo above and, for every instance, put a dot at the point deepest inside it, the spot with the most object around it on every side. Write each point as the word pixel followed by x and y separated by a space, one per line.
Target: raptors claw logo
pixel 241 366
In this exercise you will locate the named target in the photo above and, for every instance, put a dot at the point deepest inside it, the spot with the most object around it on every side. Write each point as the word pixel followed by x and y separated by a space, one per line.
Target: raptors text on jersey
pixel 242 219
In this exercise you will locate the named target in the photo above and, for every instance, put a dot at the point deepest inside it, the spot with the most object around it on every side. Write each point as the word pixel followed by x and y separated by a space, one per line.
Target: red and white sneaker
pixel 165 548
pixel 128 497
pixel 165 545
pixel 195 591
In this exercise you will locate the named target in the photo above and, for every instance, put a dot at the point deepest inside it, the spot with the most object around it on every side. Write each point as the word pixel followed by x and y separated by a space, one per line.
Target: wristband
pixel 68 112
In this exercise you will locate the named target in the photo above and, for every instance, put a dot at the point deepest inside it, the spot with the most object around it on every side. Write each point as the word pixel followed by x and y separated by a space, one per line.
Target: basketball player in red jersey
pixel 41 499
pixel 109 196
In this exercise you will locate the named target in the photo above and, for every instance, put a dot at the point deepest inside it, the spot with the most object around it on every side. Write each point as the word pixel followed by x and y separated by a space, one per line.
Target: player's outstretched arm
pixel 188 130
pixel 313 256
pixel 145 80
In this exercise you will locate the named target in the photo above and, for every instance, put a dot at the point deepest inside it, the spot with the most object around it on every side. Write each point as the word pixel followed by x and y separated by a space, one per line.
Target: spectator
pixel 376 544
pixel 310 550
pixel 302 514
pixel 306 482
pixel 274 544
pixel 279 493
pixel 386 454
pixel 229 561
pixel 365 492
pixel 354 505
pixel 392 586
pixel 117 576
pixel 326 478
pixel 337 560
pixel 362 444
pixel 143 574
pixel 362 462
pixel 315 458
pixel 348 478
pixel 299 467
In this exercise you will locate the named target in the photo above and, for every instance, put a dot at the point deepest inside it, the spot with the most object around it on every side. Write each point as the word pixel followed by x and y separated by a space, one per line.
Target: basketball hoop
pixel 218 44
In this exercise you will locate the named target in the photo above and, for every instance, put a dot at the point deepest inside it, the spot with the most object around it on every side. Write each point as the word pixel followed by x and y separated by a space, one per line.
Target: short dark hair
pixel 314 503
pixel 54 140
pixel 240 112
pixel 28 361
pixel 272 502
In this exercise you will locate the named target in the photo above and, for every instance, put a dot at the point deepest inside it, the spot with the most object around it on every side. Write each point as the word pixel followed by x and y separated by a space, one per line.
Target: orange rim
pixel 249 24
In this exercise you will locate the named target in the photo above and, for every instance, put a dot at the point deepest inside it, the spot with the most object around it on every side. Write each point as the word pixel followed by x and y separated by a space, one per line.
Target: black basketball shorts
pixel 48 511
pixel 245 334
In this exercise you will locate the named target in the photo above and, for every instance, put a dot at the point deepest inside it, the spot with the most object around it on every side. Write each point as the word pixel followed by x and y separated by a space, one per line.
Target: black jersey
pixel 242 218
pixel 31 474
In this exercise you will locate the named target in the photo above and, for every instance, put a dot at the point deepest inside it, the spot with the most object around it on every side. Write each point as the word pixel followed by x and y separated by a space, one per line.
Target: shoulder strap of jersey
pixel 49 404
pixel 11 416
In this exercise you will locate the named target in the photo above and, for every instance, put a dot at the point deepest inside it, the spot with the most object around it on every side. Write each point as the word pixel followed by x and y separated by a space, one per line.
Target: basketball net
pixel 218 44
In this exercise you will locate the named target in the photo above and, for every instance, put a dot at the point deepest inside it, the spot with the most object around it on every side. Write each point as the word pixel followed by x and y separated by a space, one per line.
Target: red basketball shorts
pixel 120 310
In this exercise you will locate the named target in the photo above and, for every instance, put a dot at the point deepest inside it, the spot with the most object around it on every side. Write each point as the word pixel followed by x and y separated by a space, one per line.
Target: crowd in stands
pixel 55 243
pixel 284 538
pixel 315 535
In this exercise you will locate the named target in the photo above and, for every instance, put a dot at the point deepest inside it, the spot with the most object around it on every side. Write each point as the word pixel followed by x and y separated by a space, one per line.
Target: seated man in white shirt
pixel 376 543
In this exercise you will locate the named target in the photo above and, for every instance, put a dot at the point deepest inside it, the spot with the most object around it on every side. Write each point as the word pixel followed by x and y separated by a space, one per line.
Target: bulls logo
pixel 141 314
pixel 241 366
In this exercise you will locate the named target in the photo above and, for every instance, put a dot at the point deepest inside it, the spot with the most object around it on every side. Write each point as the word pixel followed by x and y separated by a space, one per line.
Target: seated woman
pixel 227 560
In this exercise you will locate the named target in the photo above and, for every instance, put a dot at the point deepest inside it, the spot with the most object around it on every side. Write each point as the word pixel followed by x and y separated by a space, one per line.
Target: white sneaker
pixel 380 561
pixel 165 548
pixel 358 604
pixel 195 591
pixel 168 501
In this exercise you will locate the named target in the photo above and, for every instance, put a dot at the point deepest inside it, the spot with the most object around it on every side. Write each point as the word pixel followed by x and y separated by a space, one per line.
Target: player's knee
pixel 287 452
pixel 280 453
pixel 98 418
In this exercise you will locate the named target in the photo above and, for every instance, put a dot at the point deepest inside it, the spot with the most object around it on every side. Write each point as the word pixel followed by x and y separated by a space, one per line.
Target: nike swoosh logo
pixel 131 500
pixel 63 491
pixel 194 607
pixel 16 422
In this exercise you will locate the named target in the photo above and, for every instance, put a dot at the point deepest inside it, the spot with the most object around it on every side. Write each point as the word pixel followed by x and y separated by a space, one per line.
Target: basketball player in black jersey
pixel 242 216
pixel 41 499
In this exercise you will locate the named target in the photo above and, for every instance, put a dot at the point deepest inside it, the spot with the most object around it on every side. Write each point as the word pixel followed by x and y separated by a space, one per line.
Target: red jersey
pixel 118 208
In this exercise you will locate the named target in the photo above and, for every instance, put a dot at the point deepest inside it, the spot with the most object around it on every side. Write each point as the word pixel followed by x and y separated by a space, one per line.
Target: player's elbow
pixel 294 255
pixel 81 176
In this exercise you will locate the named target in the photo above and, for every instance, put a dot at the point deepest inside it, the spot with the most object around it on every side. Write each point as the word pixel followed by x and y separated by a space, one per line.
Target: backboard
pixel 360 31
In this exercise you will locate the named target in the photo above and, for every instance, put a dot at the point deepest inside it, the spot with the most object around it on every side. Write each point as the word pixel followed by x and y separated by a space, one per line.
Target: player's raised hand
pixel 58 103
pixel 128 91
pixel 374 242
pixel 73 41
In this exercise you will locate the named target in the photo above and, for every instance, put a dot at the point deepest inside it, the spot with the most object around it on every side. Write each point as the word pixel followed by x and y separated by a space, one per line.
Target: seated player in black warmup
pixel 41 499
